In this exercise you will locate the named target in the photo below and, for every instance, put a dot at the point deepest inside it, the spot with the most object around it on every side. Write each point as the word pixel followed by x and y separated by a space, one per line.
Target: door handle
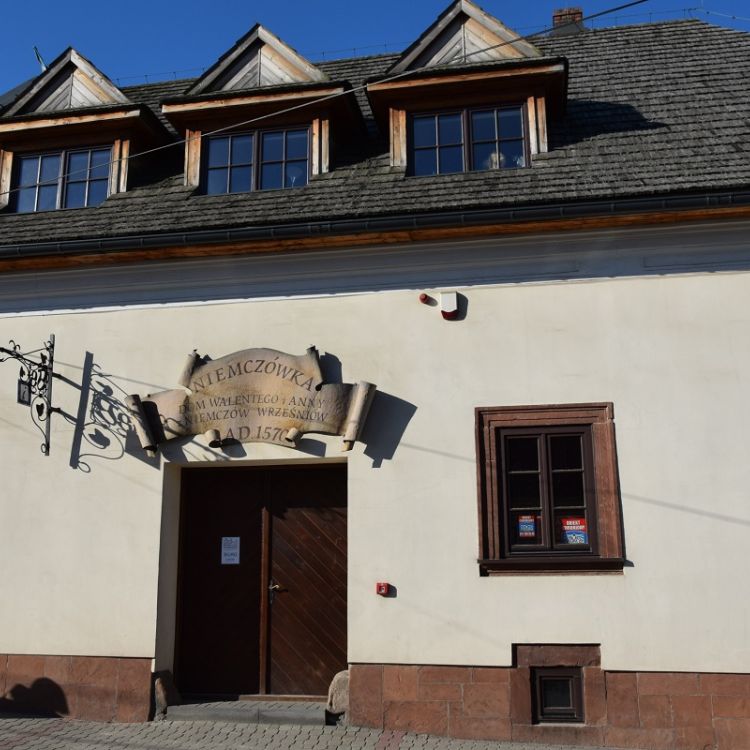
pixel 274 587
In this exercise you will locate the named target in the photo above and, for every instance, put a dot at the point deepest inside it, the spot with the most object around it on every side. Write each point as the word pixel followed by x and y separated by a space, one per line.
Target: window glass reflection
pixel 261 160
pixel 423 132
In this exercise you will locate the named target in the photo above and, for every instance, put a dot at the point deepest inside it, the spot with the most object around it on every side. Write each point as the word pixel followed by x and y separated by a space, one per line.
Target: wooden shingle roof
pixel 653 110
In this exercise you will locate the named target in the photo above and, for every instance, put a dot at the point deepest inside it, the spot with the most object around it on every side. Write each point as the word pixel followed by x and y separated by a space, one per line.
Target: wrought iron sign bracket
pixel 35 383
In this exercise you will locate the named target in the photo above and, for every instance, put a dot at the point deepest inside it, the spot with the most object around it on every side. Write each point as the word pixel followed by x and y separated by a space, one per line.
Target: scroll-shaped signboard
pixel 256 395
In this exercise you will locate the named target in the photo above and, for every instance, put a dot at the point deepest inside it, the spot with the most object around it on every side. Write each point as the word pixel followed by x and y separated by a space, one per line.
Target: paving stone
pixel 59 734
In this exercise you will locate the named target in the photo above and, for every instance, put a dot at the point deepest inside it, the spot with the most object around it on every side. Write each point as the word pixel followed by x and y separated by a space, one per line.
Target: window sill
pixel 551 564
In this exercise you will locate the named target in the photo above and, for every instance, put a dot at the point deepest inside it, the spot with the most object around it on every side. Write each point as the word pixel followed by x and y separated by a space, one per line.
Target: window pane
pixel 78 166
pixel 450 130
pixel 97 192
pixel 425 161
pixel 217 181
pixel 75 195
pixel 239 179
pixel 26 199
pixel 296 174
pixel 567 490
pixel 522 453
pixel 523 491
pixel 50 169
pixel 565 452
pixel 242 150
pixel 47 198
pixel 424 131
pixel 272 147
pixel 557 693
pixel 510 123
pixel 218 152
pixel 100 164
pixel 571 529
pixel 485 156
pixel 483 126
pixel 296 144
pixel 271 176
pixel 512 154
pixel 28 171
pixel 526 528
pixel 451 159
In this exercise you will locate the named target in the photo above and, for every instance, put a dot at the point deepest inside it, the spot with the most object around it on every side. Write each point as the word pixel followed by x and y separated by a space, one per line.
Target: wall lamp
pixel 34 388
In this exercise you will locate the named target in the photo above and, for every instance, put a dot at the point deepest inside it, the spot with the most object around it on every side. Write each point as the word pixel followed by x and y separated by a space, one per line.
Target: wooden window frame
pixel 547 510
pixel 573 715
pixel 412 148
pixel 63 179
pixel 466 139
pixel 257 162
pixel 605 526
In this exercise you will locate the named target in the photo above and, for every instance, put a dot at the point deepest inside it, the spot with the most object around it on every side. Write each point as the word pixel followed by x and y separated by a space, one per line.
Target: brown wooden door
pixel 276 621
pixel 219 604
pixel 307 635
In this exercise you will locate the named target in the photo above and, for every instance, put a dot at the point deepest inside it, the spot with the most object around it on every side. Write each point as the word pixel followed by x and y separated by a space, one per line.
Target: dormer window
pixel 259 78
pixel 501 86
pixel 61 179
pixel 468 140
pixel 43 164
pixel 258 160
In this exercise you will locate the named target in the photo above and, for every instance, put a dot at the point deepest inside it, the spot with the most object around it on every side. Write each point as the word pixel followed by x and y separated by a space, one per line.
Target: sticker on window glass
pixel 527 527
pixel 230 550
pixel 574 531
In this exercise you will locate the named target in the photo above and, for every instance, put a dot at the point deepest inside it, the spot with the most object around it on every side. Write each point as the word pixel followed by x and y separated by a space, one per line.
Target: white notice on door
pixel 230 550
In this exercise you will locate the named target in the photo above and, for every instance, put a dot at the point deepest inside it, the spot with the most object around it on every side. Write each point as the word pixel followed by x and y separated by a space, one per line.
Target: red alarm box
pixel 382 588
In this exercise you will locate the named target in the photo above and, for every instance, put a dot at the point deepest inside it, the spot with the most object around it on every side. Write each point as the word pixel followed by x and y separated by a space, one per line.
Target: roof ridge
pixel 666 22
pixel 380 55
pixel 186 81
pixel 155 84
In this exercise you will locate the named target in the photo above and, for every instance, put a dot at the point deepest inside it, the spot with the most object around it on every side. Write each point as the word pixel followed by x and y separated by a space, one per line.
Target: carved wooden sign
pixel 255 395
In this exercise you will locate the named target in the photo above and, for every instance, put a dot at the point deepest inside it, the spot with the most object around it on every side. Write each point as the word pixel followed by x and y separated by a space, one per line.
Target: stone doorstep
pixel 251 712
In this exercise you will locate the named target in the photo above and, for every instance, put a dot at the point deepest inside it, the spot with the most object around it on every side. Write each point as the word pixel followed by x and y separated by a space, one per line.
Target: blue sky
pixel 150 40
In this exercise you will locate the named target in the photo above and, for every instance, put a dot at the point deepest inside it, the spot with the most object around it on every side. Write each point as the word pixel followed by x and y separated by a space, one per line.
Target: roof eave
pixel 633 211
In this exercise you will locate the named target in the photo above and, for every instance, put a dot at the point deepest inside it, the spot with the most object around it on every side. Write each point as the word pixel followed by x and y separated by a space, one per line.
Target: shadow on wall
pixel 104 429
pixel 44 698
pixel 385 426
pixel 103 426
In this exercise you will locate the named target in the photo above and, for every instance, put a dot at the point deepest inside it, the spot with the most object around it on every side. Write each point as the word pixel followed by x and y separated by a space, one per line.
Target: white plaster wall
pixel 79 552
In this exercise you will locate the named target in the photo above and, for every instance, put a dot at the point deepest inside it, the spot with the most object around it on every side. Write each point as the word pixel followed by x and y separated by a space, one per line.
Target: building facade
pixel 534 251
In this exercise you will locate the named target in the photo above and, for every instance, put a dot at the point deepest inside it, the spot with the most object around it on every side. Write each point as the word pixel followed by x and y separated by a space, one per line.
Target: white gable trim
pixel 71 82
pixel 446 40
pixel 259 59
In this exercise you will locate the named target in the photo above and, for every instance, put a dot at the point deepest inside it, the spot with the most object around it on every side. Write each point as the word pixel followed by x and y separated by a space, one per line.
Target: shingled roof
pixel 654 110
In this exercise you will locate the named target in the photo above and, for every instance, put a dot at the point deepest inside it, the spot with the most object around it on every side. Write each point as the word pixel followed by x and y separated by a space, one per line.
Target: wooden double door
pixel 262 580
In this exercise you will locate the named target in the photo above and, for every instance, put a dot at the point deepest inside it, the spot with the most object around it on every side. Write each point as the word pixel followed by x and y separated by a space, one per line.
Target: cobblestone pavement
pixel 59 734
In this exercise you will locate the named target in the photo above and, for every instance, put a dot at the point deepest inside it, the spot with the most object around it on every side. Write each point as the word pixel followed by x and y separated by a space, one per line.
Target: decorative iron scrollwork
pixel 35 383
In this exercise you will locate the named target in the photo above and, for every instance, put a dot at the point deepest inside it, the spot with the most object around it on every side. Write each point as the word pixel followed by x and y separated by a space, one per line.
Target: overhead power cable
pixel 322 99
pixel 723 15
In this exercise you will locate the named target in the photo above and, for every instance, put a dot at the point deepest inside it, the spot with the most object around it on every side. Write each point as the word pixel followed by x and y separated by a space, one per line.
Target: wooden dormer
pixel 73 105
pixel 464 33
pixel 257 78
pixel 257 60
pixel 71 82
pixel 467 58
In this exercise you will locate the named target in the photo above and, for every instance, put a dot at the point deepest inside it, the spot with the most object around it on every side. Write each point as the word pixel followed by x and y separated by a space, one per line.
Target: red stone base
pixel 97 688
pixel 647 710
